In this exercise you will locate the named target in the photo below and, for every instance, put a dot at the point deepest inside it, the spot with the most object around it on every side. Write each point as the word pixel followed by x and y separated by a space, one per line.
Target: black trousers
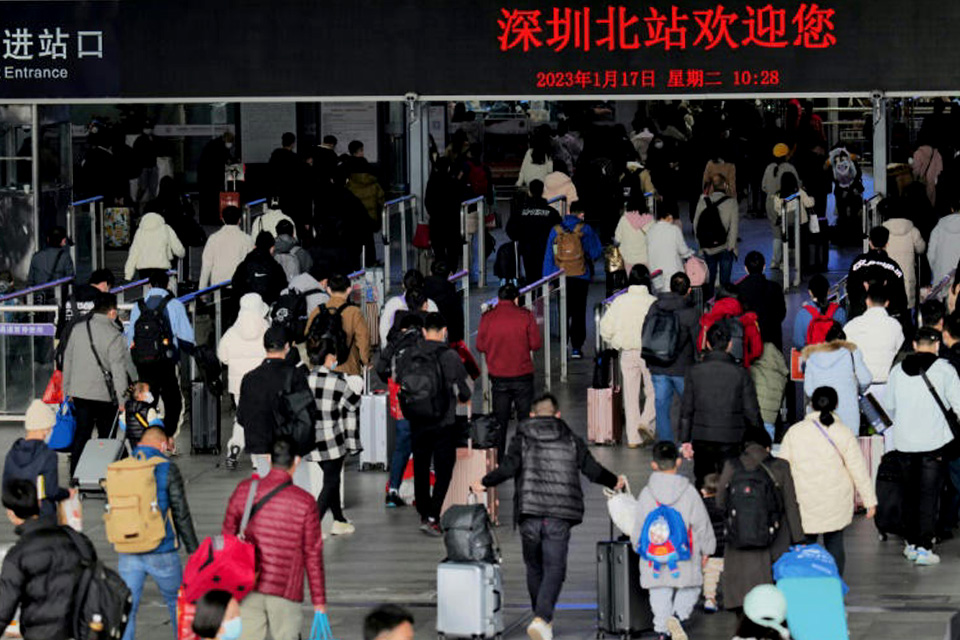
pixel 832 542
pixel 708 457
pixel 510 393
pixel 925 477
pixel 90 414
pixel 164 384
pixel 436 445
pixel 577 290
pixel 545 543
pixel 329 497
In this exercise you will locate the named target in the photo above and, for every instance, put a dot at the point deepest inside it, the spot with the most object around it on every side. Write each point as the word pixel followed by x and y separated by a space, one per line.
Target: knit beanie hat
pixel 40 416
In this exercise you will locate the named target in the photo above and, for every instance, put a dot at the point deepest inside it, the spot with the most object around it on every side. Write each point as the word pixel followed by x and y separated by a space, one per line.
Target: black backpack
pixel 484 431
pixel 100 591
pixel 710 230
pixel 295 414
pixel 468 534
pixel 754 507
pixel 507 265
pixel 735 330
pixel 423 394
pixel 661 337
pixel 290 312
pixel 329 324
pixel 152 335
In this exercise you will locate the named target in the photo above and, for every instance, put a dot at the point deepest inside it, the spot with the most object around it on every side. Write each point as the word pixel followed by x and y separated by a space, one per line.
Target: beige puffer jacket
pixel 904 245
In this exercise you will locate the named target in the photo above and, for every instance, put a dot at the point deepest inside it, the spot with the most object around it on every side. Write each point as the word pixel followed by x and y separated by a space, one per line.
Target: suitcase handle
pixel 499 600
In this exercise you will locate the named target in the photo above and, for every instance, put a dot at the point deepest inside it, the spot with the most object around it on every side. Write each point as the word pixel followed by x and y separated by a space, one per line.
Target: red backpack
pixel 820 323
pixel 477 177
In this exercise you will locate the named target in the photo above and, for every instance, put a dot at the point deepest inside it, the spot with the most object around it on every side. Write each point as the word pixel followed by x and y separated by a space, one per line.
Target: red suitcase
pixel 604 420
pixel 472 464
pixel 220 562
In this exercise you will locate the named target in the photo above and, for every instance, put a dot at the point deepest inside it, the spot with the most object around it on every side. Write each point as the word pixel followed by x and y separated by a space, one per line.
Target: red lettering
pixel 694 77
pixel 672 36
pixel 715 27
pixel 568 25
pixel 519 29
pixel 814 27
pixel 766 27
pixel 647 79
pixel 675 80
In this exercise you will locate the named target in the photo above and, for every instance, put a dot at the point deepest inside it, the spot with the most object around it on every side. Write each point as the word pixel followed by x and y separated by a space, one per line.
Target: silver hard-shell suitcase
pixel 373 428
pixel 97 454
pixel 469 600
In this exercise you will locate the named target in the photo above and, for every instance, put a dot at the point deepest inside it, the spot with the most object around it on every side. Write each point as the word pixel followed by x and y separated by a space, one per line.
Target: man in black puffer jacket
pixel 40 572
pixel 546 459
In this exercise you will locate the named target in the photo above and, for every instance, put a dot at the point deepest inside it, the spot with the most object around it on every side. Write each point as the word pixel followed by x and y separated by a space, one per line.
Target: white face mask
pixel 148 397
pixel 228 145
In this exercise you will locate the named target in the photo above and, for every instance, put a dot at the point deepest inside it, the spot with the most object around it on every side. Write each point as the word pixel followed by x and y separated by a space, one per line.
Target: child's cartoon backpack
pixel 665 540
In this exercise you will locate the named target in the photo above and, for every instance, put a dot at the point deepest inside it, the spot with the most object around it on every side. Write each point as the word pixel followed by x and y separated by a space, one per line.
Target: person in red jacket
pixel 508 334
pixel 286 533
pixel 729 307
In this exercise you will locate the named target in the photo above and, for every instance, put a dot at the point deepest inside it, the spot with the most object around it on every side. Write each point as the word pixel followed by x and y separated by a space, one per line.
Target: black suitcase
pixel 204 419
pixel 623 607
pixel 891 486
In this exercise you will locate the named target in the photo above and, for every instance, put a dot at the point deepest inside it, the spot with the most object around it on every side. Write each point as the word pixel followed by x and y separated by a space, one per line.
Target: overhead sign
pixel 288 49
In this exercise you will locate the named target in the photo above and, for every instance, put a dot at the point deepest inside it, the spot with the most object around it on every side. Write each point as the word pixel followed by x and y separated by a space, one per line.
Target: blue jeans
pixel 401 453
pixel 723 261
pixel 771 429
pixel 663 388
pixel 165 569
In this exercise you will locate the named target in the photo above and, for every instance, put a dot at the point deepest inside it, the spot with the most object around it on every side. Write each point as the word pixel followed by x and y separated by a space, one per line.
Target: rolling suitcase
pixel 469 600
pixel 891 486
pixel 471 465
pixel 872 449
pixel 97 454
pixel 204 419
pixel 623 609
pixel 604 401
pixel 373 427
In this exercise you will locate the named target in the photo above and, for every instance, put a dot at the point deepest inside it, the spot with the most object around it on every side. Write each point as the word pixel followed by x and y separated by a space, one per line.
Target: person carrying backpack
pixel 158 329
pixel 153 480
pixel 342 321
pixel 741 324
pixel 574 246
pixel 30 458
pixel 745 563
pixel 260 272
pixel 288 253
pixel 672 533
pixel 717 223
pixel 432 380
pixel 818 316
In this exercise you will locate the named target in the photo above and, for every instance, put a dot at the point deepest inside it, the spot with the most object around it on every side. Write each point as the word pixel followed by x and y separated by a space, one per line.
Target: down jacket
pixel 839 365
pixel 622 325
pixel 286 532
pixel 731 308
pixel 40 575
pixel 825 473
pixel 631 234
pixel 904 245
pixel 241 347
pixel 154 246
pixel 719 401
pixel 769 374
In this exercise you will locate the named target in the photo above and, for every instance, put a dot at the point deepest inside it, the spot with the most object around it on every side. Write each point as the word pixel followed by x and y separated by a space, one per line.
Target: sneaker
pixel 393 499
pixel 341 528
pixel 576 354
pixel 926 557
pixel 676 629
pixel 232 455
pixel 910 552
pixel 540 629
pixel 431 528
pixel 710 606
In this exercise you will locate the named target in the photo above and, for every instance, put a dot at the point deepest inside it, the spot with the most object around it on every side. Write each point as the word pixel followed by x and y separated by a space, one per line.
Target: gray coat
pixel 81 376
pixel 744 569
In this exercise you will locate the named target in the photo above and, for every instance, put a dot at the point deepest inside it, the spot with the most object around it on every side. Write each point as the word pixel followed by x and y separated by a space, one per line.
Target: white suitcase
pixel 469 600
pixel 97 454
pixel 373 428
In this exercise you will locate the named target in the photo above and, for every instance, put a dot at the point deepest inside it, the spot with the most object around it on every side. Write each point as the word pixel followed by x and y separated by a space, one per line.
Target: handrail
pixel 387 236
pixel 564 202
pixel 492 302
pixel 196 294
pixel 137 283
pixel 459 275
pixel 471 201
pixel 616 294
pixel 463 276
pixel 407 198
pixel 254 203
pixel 940 286
pixel 36 288
pixel 481 237
pixel 86 201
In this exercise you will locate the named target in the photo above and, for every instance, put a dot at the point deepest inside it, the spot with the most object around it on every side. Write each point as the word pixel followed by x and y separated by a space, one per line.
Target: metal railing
pixel 479 233
pixel 248 213
pixel 936 291
pixel 564 205
pixel 870 216
pixel 601 306
pixel 462 278
pixel 85 226
pixel 786 205
pixel 396 206
pixel 59 287
pixel 121 290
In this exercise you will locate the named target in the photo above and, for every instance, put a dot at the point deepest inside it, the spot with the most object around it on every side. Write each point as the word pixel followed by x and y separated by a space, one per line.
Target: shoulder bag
pixel 870 408
pixel 107 375
pixel 948 413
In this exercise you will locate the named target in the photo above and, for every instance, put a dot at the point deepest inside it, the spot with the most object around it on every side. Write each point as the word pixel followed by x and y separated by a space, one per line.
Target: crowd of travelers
pixel 703 364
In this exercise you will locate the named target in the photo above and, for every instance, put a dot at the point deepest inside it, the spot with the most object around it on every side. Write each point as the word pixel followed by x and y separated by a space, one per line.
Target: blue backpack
pixel 665 540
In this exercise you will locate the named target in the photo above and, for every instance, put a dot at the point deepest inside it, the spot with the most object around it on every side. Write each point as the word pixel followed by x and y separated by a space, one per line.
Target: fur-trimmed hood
pixel 828 347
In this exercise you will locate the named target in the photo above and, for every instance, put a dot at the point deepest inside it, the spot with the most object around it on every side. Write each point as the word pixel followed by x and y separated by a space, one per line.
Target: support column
pixel 880 124
pixel 418 141
pixel 35 172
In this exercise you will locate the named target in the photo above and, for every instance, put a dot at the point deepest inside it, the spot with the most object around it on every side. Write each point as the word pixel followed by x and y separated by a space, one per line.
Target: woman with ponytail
pixel 826 465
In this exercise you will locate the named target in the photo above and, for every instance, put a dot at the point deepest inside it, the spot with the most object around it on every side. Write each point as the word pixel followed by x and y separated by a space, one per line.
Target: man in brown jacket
pixel 357 335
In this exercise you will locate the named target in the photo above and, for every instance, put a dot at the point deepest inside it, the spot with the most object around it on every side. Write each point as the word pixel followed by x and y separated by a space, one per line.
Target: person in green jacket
pixel 770 375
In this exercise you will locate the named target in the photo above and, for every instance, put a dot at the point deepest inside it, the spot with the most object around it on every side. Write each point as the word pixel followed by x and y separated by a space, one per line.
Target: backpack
pixel 133 519
pixel 152 335
pixel 665 540
pixel 754 507
pixel 423 394
pixel 820 323
pixel 290 312
pixel 710 230
pixel 289 262
pixel 844 170
pixel 100 592
pixel 468 534
pixel 329 324
pixel 477 178
pixel 661 337
pixel 568 250
pixel 737 337
pixel 295 414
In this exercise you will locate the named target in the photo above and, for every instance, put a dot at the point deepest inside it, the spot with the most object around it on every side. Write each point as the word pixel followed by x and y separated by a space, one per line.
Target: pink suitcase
pixel 604 421
pixel 472 464
pixel 872 449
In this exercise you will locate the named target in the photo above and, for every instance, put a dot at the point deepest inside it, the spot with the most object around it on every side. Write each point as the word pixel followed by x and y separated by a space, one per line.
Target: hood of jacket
pixel 899 226
pixel 638 220
pixel 670 301
pixel 152 221
pixel 284 244
pixel 558 183
pixel 570 222
pixel 837 348
pixel 250 325
pixel 545 429
pixel 24 452
pixel 724 308
pixel 917 363
pixel 363 179
pixel 667 487
pixel 950 223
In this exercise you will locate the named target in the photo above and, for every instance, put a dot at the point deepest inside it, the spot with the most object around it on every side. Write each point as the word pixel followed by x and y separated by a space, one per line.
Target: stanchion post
pixel 385 232
pixel 796 240
pixel 482 244
pixel 217 314
pixel 785 246
pixel 486 398
pixel 563 329
pixel 403 235
pixel 466 241
pixel 466 307
pixel 545 292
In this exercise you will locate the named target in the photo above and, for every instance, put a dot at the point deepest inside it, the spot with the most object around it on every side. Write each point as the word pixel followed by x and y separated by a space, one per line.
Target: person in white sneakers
pixel 920 433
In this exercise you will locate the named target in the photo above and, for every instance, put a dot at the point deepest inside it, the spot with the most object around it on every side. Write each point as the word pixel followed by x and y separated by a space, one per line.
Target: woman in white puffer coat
pixel 903 247
pixel 154 246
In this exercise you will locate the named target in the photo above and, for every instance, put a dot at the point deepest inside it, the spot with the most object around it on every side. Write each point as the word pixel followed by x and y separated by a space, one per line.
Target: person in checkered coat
pixel 338 428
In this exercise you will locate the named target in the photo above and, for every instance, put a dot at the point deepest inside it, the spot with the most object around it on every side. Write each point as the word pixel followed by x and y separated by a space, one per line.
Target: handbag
pixel 53 394
pixel 948 413
pixel 61 437
pixel 421 236
pixel 872 412
pixel 320 629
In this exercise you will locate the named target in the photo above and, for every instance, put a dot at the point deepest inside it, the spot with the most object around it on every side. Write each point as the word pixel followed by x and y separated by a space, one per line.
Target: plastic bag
pixel 61 438
pixel 70 512
pixel 320 630
pixel 53 394
pixel 807 561
pixel 623 511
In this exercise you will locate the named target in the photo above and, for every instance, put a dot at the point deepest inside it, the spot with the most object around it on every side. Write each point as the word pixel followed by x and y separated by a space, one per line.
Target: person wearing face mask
pixel 145 151
pixel 97 369
pixel 163 563
pixel 217 617
pixel 29 458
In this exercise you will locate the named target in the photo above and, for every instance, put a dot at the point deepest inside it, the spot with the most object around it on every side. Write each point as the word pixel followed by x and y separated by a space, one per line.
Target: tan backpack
pixel 568 250
pixel 133 518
